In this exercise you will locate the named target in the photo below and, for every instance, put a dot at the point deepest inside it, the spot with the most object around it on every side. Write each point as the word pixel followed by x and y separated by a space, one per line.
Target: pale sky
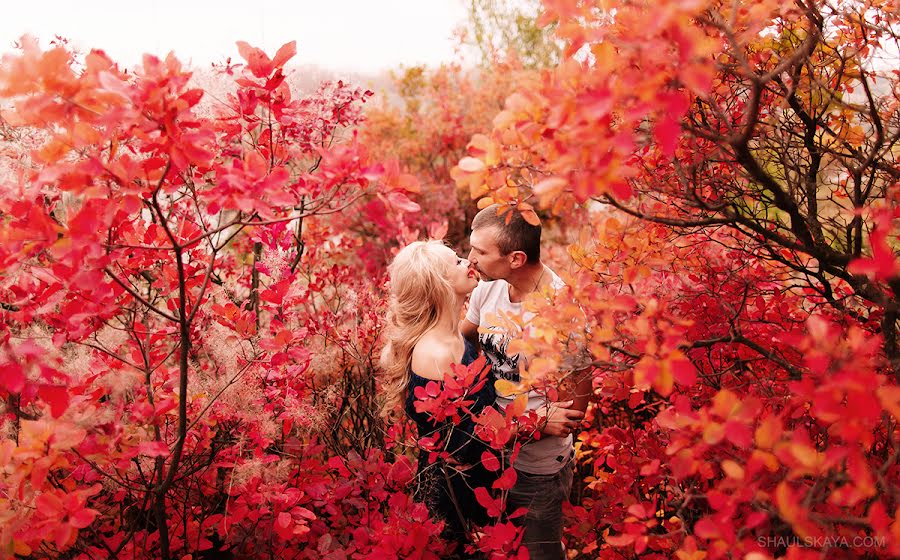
pixel 359 35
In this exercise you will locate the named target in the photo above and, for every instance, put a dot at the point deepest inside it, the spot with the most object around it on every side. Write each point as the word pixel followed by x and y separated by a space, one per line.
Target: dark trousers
pixel 543 496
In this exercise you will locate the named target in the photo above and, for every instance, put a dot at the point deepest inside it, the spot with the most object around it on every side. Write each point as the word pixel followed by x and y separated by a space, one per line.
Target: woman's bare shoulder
pixel 432 356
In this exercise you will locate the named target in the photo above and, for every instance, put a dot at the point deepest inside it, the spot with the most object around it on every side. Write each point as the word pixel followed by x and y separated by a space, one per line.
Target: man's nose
pixel 471 259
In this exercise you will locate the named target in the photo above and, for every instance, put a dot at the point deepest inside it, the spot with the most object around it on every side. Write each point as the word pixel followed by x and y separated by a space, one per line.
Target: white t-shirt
pixel 489 299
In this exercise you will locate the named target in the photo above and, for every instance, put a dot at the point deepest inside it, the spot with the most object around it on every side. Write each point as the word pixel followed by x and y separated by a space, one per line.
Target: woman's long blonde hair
pixel 420 294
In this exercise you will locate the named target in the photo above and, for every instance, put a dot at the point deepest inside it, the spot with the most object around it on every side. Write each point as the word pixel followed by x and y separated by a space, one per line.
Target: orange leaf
pixel 505 388
pixel 531 217
pixel 517 407
pixel 768 432
pixel 485 202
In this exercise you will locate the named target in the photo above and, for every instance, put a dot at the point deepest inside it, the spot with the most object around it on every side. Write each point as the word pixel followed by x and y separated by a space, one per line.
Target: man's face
pixel 485 255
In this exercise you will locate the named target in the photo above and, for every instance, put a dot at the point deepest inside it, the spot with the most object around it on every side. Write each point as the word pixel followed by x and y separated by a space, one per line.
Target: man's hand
pixel 560 419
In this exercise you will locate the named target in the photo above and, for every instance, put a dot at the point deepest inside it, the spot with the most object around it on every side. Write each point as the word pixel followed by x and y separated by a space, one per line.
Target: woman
pixel 428 287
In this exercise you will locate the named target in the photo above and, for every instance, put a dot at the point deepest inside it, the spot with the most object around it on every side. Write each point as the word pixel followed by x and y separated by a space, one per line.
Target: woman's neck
pixel 448 323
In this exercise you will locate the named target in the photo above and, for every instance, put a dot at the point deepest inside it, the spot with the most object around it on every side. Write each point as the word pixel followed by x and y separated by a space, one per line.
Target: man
pixel 508 258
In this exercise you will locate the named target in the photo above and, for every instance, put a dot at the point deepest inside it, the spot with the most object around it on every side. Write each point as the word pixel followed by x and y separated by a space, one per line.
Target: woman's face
pixel 462 276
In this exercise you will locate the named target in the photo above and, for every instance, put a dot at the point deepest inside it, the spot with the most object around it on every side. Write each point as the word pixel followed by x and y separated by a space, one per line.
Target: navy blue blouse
pixel 447 490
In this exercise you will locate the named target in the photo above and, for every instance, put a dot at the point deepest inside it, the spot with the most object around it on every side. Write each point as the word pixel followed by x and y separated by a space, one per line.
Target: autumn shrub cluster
pixel 192 290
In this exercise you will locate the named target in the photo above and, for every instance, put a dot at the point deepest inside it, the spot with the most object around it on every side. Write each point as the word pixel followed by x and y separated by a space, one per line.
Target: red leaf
pixel 361 537
pixel 667 131
pixel 49 504
pixel 192 96
pixel 490 461
pixel 506 480
pixel 697 77
pixel 62 535
pixel 706 528
pixel 684 371
pixel 620 540
pixel 621 190
pixel 57 397
pixel 164 406
pixel 303 512
pixel 635 399
pixel 641 511
pixel 650 468
pixel 518 513
pixel 12 378
pixel 82 518
pixel 401 471
pixel 257 61
pixel 284 525
pixel 487 502
pixel 738 434
pixel 338 464
pixel 882 265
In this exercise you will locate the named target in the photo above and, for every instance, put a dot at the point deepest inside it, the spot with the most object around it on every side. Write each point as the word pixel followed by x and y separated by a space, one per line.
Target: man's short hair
pixel 514 233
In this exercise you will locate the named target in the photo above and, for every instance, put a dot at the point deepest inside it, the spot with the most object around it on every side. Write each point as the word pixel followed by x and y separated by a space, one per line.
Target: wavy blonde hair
pixel 420 293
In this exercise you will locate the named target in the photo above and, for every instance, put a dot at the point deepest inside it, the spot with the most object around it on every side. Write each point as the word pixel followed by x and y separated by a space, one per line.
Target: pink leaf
pixel 153 449
pixel 401 202
pixel 471 164
pixel 285 53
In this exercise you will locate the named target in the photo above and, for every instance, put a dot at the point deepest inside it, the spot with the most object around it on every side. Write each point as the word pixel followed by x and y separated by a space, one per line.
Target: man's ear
pixel 517 259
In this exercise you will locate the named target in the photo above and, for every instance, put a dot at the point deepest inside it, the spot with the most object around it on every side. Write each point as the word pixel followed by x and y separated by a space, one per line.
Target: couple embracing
pixel 429 285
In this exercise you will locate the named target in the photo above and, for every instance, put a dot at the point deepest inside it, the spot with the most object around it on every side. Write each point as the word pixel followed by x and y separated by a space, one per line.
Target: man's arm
pixel 469 330
pixel 561 419
pixel 575 392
